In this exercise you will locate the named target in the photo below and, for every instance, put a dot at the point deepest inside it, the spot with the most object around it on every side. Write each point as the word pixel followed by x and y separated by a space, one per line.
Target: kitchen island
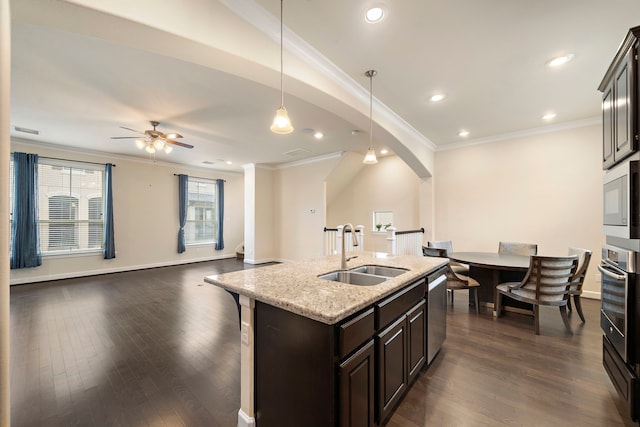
pixel 313 349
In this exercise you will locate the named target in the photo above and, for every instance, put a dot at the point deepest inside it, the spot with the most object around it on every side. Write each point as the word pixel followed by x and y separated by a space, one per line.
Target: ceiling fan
pixel 154 139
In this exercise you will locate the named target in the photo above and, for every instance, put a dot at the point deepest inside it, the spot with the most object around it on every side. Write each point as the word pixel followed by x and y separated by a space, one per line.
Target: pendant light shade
pixel 370 157
pixel 281 122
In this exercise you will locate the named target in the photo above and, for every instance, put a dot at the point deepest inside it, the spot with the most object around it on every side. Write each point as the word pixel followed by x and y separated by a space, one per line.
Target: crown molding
pixel 311 160
pixel 521 134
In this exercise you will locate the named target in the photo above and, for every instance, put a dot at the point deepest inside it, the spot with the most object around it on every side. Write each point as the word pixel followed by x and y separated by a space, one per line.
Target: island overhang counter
pixel 288 309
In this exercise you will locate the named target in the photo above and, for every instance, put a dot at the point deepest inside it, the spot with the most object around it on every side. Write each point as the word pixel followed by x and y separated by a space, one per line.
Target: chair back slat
pixel 441 244
pixel 435 252
pixel 516 248
pixel 550 277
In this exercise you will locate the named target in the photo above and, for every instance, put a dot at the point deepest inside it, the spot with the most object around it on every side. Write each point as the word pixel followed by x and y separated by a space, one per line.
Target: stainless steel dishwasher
pixel 436 313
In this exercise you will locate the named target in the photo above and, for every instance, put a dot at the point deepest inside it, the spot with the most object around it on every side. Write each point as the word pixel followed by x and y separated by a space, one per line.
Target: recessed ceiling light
pixel 384 151
pixel 318 135
pixel 549 116
pixel 560 60
pixel 373 15
pixel 463 133
pixel 229 162
pixel 438 97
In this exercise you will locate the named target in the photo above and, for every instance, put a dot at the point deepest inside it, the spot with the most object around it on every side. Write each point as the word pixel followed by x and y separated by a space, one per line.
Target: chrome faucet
pixel 344 259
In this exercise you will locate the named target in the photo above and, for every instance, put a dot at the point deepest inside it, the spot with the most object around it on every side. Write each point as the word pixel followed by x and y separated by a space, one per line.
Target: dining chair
pixel 455 281
pixel 447 245
pixel 516 248
pixel 584 256
pixel 546 282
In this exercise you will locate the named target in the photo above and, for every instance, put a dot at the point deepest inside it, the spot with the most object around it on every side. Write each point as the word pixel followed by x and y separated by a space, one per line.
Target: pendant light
pixel 281 123
pixel 370 157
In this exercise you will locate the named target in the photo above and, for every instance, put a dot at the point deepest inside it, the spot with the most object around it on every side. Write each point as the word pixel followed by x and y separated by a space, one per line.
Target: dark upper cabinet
pixel 620 95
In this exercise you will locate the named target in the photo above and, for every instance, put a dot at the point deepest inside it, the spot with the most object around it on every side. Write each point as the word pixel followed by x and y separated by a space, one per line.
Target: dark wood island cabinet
pixel 350 374
pixel 319 352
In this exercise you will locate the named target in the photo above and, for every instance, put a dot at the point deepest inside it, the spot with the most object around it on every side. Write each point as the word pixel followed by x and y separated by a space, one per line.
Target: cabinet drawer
pixel 620 376
pixel 397 304
pixel 355 332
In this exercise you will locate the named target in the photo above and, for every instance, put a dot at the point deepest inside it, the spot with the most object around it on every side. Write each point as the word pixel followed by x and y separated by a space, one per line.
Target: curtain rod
pixel 76 161
pixel 200 177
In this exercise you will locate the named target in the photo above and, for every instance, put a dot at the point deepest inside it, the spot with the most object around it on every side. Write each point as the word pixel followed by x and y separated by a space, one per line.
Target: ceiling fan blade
pixel 132 130
pixel 172 136
pixel 180 144
pixel 125 137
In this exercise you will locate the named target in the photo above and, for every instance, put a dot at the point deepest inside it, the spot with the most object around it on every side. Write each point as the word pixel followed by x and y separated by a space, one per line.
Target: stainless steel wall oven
pixel 620 321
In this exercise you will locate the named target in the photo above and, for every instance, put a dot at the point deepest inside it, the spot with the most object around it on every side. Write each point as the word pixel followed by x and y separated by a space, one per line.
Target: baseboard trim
pixel 591 295
pixel 244 420
pixel 72 275
pixel 261 261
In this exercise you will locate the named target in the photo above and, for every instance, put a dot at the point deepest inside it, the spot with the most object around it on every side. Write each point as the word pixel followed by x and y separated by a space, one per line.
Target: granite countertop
pixel 295 286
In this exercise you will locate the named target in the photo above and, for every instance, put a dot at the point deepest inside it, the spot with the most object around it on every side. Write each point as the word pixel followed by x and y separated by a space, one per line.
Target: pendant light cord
pixel 281 54
pixel 370 110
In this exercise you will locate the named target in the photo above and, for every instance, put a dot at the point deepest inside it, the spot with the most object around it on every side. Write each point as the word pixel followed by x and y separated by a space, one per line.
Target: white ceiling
pixel 209 70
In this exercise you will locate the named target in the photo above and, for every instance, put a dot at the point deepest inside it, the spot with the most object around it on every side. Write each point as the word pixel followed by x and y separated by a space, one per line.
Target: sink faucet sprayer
pixel 344 259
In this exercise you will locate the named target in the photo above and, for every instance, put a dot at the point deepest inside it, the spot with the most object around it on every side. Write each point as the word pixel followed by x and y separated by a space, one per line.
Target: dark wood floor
pixel 161 348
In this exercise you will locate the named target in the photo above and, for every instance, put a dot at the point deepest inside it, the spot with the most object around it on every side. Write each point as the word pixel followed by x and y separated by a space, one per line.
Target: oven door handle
pixel 611 274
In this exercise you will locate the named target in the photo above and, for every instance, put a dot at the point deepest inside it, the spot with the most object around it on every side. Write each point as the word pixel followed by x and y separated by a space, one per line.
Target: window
pixel 382 220
pixel 201 224
pixel 62 226
pixel 70 206
pixel 96 226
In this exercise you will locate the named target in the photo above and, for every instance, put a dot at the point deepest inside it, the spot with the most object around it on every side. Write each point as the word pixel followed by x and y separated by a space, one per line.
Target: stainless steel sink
pixel 353 278
pixel 379 270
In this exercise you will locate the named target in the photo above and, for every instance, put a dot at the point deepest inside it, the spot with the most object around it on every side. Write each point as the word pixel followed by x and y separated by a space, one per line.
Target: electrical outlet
pixel 244 333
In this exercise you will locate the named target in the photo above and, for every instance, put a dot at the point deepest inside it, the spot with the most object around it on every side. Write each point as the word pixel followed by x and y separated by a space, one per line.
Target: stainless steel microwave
pixel 621 203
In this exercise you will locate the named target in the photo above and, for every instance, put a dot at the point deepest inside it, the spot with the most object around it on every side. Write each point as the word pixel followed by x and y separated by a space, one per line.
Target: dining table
pixel 492 268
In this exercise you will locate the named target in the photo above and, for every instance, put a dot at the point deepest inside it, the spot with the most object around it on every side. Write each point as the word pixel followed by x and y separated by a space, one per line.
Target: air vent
pixel 207 162
pixel 26 130
pixel 297 152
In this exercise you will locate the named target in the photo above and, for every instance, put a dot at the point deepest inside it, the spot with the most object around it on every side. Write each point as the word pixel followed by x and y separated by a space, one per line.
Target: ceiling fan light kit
pixel 281 122
pixel 155 140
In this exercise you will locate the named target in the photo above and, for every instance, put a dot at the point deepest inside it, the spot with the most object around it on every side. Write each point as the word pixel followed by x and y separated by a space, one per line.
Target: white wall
pixel 301 208
pixel 265 219
pixel 145 199
pixel 544 189
pixel 388 185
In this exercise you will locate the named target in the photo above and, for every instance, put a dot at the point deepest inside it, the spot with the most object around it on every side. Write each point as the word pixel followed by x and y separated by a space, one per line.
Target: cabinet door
pixel 417 339
pixel 624 143
pixel 607 127
pixel 392 366
pixel 357 388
